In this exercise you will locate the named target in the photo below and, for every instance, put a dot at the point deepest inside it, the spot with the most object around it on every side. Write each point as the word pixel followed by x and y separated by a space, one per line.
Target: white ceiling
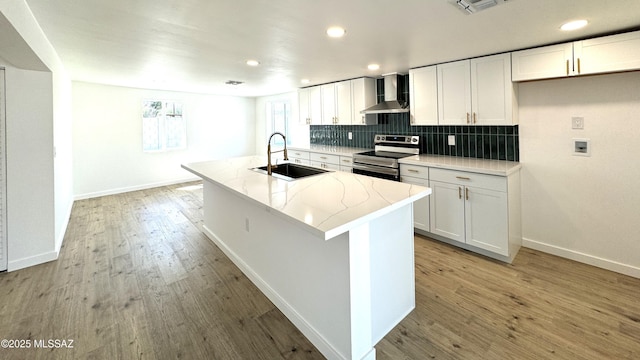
pixel 197 45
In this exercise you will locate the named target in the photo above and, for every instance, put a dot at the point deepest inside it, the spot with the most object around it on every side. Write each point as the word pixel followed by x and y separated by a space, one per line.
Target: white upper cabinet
pixel 423 92
pixel 608 54
pixel 363 96
pixel 454 93
pixel 542 63
pixel 493 95
pixel 336 103
pixel 310 105
pixel 605 54
pixel 477 92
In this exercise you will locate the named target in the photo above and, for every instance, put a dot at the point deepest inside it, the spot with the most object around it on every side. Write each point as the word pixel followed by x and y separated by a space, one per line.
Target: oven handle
pixel 387 171
pixel 372 161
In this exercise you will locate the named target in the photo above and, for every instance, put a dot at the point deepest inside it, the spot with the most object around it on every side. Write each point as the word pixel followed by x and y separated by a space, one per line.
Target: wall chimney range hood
pixel 392 94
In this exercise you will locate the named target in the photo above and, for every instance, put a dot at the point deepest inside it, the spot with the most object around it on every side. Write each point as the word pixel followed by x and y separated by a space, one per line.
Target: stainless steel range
pixel 383 161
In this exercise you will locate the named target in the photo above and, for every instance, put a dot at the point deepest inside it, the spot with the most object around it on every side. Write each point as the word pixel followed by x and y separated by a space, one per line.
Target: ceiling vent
pixel 233 82
pixel 473 6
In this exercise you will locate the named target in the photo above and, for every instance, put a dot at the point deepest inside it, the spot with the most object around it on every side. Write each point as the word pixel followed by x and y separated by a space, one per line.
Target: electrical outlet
pixel 577 122
pixel 350 136
pixel 451 140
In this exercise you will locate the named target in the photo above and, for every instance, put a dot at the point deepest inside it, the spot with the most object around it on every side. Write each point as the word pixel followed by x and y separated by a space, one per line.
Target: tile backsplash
pixel 477 141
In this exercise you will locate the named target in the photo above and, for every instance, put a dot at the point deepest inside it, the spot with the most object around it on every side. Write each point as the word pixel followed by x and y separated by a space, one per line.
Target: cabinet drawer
pixel 298 154
pixel 490 182
pixel 346 161
pixel 331 159
pixel 415 171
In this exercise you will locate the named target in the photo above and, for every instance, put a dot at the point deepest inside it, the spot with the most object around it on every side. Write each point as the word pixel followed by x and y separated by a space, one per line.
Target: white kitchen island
pixel 334 252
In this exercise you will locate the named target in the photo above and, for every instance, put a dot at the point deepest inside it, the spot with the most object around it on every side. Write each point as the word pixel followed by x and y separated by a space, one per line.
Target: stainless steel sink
pixel 289 171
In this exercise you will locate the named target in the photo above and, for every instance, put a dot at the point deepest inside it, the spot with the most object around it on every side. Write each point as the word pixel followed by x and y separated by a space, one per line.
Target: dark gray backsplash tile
pixel 483 142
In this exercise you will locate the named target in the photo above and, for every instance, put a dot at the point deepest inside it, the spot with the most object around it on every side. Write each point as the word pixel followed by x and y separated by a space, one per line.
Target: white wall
pixel 584 208
pixel 107 137
pixel 298 133
pixel 39 187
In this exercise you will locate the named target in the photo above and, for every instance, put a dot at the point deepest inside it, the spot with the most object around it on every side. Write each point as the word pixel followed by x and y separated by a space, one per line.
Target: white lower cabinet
pixel 299 157
pixel 418 175
pixel 479 210
pixel 346 163
pixel 325 161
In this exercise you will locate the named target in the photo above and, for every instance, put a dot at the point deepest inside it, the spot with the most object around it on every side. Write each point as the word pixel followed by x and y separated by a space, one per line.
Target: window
pixel 163 126
pixel 278 115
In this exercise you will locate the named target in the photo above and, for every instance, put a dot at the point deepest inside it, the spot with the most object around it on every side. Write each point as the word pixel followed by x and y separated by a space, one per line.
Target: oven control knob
pixel 414 139
pixel 377 137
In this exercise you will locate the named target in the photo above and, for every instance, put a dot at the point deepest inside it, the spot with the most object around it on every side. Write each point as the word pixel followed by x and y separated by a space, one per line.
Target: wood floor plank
pixel 137 279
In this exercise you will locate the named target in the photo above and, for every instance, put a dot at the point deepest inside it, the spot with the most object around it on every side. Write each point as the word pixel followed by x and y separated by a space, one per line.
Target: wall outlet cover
pixel 350 135
pixel 582 147
pixel 451 140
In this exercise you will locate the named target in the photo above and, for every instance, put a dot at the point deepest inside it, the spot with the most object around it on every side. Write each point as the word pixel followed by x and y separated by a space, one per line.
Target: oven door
pixel 376 171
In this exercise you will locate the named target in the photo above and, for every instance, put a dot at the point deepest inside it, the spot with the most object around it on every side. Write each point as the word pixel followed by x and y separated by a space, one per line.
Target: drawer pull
pixel 347 161
pixel 323 157
pixel 413 171
pixel 463 178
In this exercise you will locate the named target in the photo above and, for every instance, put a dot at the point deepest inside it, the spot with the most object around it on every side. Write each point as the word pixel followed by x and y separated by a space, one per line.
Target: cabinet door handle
pixel 346 161
pixel 413 171
pixel 463 178
pixel 363 119
pixel 323 157
pixel 467 118
pixel 567 67
pixel 459 192
pixel 466 193
pixel 578 65
pixel 474 118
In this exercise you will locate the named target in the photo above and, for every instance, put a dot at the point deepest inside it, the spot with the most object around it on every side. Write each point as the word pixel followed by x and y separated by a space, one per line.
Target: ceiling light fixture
pixel 373 67
pixel 233 82
pixel 253 62
pixel 336 32
pixel 574 25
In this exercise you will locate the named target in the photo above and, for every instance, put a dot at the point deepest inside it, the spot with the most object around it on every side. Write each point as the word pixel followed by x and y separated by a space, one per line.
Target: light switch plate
pixel 577 122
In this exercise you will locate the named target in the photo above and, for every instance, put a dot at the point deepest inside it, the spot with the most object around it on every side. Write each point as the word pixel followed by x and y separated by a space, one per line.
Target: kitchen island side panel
pixel 343 294
pixel 306 277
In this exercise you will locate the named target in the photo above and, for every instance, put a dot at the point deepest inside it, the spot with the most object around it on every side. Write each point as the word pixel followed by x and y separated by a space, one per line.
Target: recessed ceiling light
pixel 253 62
pixel 574 25
pixel 373 67
pixel 336 31
pixel 304 81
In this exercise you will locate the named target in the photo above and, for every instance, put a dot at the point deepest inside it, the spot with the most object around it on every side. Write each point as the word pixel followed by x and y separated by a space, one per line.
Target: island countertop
pixel 327 204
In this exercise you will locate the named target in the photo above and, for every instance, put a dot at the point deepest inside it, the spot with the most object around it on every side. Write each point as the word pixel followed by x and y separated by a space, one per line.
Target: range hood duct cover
pixel 390 104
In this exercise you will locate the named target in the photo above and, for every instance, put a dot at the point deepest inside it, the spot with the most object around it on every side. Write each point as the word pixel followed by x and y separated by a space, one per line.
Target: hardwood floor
pixel 136 279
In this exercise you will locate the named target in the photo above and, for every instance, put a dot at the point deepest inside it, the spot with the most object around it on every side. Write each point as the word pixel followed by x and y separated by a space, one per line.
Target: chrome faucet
pixel 269 166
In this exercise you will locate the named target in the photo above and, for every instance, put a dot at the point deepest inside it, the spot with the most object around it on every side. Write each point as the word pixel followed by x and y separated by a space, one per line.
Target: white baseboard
pixel 132 188
pixel 14 265
pixel 582 257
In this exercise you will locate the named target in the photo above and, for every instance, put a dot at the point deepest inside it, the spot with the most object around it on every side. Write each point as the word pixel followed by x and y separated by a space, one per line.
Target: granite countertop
pixel 481 166
pixel 328 204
